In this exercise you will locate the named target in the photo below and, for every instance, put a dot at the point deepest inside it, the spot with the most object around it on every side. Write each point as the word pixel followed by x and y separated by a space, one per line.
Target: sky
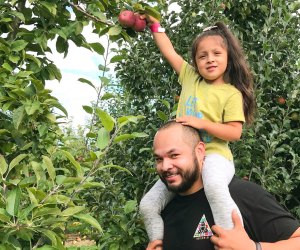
pixel 79 63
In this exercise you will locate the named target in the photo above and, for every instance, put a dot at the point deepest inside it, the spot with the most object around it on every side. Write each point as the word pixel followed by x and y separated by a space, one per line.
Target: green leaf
pixel 13 201
pixel 116 167
pixel 88 109
pixel 90 220
pixel 42 211
pixel 16 161
pixel 74 162
pixel 97 47
pixel 86 81
pixel 51 170
pixel 49 234
pixel 18 15
pixel 123 137
pixel 32 107
pixel 24 74
pixel 53 71
pixel 18 115
pixel 38 171
pixel 4 216
pixel 152 12
pixel 62 45
pixel 115 30
pixel 91 135
pixel 103 138
pixel 93 185
pixel 72 210
pixel 18 45
pixel 34 59
pixel 130 206
pixel 139 134
pixel 32 197
pixel 107 96
pixel 162 116
pixel 117 58
pixel 3 165
pixel 51 7
pixel 106 120
pixel 7 67
pixel 129 136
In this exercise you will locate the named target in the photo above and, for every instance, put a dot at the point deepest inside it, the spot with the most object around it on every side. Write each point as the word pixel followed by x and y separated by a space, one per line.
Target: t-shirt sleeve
pixel 264 218
pixel 187 74
pixel 233 109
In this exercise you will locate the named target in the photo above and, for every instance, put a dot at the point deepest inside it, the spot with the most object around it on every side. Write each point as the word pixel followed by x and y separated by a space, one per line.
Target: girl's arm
pixel 166 47
pixel 230 131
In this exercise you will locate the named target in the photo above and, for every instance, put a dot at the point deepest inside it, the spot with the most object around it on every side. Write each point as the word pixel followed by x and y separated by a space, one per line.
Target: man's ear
pixel 200 152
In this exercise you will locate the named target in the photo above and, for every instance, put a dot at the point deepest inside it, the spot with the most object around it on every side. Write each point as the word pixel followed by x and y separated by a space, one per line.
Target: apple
pixel 139 24
pixel 281 100
pixel 127 18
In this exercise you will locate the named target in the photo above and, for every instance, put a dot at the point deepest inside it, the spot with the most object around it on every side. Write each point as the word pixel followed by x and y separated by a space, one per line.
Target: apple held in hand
pixel 139 24
pixel 127 18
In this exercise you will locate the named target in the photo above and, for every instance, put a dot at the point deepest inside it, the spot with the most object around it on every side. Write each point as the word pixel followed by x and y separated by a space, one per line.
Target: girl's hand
pixel 150 19
pixel 192 121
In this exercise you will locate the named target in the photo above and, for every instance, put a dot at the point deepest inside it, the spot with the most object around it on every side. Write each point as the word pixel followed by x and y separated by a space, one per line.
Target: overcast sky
pixel 79 63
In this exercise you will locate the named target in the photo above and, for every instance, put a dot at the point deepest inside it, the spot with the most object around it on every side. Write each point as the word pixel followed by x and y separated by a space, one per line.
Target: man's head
pixel 179 154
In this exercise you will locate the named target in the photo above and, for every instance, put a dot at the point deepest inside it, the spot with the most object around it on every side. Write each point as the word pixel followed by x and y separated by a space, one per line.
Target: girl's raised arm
pixel 165 46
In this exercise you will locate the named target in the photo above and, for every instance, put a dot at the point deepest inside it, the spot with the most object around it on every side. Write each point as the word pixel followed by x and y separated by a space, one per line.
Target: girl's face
pixel 211 59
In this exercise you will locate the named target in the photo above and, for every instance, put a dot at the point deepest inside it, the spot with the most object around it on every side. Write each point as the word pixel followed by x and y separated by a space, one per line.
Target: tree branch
pixel 96 19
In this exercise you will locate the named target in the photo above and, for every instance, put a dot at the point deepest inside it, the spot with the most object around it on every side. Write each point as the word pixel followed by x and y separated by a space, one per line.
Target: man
pixel 188 220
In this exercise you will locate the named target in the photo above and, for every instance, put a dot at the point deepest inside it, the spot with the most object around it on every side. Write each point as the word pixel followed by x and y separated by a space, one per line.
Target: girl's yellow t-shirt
pixel 219 103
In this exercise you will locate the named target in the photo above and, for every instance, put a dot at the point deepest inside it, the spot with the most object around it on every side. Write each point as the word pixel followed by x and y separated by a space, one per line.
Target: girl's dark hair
pixel 237 72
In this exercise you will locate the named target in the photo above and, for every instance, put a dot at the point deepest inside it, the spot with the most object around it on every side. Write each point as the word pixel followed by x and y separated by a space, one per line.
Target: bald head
pixel 190 135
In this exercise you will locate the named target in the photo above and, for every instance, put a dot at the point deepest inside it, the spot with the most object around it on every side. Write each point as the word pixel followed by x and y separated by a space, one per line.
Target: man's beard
pixel 189 177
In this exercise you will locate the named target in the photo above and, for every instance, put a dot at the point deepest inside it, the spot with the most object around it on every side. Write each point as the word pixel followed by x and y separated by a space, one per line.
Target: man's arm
pixel 237 238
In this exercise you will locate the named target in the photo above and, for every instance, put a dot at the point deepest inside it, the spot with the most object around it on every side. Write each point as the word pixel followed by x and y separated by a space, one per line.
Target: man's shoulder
pixel 246 190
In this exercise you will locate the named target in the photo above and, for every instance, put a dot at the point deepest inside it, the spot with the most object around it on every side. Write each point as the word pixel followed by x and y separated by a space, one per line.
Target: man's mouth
pixel 170 177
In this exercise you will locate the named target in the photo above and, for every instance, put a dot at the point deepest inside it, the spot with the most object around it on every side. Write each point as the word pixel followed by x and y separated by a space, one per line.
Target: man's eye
pixel 157 160
pixel 173 156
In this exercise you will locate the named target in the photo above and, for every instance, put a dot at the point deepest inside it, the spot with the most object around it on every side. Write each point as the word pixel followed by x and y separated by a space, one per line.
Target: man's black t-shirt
pixel 188 219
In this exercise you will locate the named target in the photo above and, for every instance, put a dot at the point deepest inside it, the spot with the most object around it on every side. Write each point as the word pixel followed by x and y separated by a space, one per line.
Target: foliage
pixel 53 176
pixel 42 177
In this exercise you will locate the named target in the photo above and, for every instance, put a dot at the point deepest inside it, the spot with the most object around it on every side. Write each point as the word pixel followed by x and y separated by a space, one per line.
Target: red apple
pixel 281 100
pixel 139 24
pixel 127 18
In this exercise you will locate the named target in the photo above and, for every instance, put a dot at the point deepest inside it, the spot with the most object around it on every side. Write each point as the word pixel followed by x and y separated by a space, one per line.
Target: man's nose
pixel 166 165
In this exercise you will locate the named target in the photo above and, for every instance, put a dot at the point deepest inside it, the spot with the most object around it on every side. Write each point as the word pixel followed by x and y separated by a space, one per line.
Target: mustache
pixel 168 173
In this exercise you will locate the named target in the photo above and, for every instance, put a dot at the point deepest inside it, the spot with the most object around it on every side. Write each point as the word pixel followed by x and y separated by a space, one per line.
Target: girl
pixel 216 98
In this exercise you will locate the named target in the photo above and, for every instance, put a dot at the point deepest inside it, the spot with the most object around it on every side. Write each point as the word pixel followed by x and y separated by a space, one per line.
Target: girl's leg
pixel 217 173
pixel 150 208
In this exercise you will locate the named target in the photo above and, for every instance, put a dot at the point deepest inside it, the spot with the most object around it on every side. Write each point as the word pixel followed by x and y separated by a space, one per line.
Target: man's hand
pixel 235 239
pixel 192 121
pixel 155 245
